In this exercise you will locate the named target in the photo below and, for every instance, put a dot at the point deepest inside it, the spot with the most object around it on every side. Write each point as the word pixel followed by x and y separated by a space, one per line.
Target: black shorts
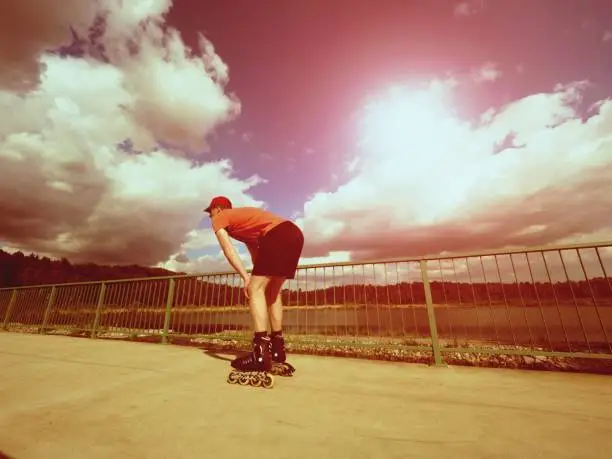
pixel 279 251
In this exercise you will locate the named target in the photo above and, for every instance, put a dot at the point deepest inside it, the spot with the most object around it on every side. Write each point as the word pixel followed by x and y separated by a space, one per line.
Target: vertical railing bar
pixel 356 327
pixel 365 300
pixel 324 306
pixel 128 307
pixel 448 308
pixel 81 300
pixel 96 323
pixel 501 283
pixel 535 288
pixel 233 306
pixel 133 305
pixel 484 274
pixel 377 305
pixel 476 301
pixel 214 299
pixel 413 305
pixel 83 307
pixel 298 309
pixel 552 286
pixel 391 330
pixel 595 305
pixel 334 299
pixel 603 269
pixel 316 303
pixel 460 307
pixel 521 299
pixel 569 282
pixel 306 304
pixel 399 296
pixel 195 325
pixel 206 309
pixel 48 309
pixel 168 312
pixel 117 310
pixel 149 306
pixel 63 322
pixel 433 328
pixel 52 317
pixel 114 312
pixel 226 306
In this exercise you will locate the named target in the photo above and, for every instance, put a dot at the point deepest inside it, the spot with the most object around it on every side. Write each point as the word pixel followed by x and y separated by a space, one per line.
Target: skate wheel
pixel 232 378
pixel 244 380
pixel 267 381
pixel 256 381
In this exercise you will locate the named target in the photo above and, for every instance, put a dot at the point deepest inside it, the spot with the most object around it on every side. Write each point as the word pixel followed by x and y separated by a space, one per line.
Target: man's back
pixel 246 224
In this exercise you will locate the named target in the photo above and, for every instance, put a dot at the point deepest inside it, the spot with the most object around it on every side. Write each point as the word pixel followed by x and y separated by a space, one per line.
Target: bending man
pixel 275 245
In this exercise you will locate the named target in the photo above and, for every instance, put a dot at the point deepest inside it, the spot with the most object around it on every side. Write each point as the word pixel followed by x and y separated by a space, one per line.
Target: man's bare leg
pixel 257 302
pixel 260 357
pixel 275 312
pixel 275 303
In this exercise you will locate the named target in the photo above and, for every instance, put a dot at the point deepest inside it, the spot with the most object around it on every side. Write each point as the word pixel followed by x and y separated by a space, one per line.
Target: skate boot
pixel 252 369
pixel 279 365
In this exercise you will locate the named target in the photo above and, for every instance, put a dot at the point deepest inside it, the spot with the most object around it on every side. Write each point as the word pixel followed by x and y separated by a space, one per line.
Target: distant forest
pixel 18 270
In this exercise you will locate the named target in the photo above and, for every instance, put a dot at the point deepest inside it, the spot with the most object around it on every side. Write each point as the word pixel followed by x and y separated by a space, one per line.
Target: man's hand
pixel 247 281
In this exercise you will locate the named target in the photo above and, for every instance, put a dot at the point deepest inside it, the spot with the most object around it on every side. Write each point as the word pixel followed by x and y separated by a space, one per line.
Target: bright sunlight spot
pixel 405 123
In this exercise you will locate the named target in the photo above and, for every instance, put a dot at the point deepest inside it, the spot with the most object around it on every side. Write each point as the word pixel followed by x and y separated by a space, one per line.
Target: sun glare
pixel 403 122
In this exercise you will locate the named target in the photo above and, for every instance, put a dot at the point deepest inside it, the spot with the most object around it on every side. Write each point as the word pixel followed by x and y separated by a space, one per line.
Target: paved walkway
pixel 77 398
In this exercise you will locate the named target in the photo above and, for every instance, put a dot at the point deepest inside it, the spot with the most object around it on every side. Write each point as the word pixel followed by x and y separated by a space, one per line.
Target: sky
pixel 384 129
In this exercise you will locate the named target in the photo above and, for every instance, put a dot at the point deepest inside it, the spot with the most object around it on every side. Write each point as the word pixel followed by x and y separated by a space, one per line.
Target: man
pixel 275 245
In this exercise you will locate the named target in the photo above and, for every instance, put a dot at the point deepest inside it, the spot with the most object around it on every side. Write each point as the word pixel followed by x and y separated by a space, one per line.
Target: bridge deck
pixel 73 398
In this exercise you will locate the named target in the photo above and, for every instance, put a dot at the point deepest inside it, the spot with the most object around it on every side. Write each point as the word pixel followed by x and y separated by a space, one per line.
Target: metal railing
pixel 546 301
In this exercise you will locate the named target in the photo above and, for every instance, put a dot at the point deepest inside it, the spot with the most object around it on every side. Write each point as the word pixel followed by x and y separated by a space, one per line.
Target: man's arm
pixel 230 252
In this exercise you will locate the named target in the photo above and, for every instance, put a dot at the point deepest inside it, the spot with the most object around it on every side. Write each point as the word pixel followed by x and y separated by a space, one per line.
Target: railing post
pixel 96 324
pixel 48 310
pixel 9 309
pixel 431 315
pixel 167 316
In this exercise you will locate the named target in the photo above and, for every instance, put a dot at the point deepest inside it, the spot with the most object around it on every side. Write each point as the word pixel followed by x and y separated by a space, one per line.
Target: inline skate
pixel 280 366
pixel 253 369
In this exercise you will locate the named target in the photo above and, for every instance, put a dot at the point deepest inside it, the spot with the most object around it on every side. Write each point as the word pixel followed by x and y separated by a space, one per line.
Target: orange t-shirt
pixel 246 224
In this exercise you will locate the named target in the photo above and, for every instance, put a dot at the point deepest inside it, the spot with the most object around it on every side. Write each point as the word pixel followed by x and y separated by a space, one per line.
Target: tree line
pixel 17 270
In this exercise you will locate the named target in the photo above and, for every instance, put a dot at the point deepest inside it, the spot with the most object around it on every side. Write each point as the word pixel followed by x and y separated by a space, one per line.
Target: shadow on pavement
pixel 214 355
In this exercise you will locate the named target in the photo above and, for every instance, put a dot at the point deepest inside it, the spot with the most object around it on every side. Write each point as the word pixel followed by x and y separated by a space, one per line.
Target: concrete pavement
pixel 70 398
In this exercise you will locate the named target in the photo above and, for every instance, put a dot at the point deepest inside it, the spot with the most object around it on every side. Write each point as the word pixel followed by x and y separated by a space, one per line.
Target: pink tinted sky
pixel 510 144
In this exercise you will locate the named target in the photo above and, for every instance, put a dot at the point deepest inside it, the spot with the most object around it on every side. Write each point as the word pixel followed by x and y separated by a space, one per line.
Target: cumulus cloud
pixel 99 101
pixel 432 183
pixel 206 264
pixel 486 73
pixel 467 8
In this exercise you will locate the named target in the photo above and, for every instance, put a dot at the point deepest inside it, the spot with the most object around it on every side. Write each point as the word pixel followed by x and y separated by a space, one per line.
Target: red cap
pixel 219 201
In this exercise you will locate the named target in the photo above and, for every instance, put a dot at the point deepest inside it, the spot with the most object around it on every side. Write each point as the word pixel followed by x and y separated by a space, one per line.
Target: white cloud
pixel 217 263
pixel 200 239
pixel 435 185
pixel 467 8
pixel 487 73
pixel 65 189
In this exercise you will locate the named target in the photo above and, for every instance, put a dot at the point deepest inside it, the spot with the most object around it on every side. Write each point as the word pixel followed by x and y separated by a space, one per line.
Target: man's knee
pixel 257 285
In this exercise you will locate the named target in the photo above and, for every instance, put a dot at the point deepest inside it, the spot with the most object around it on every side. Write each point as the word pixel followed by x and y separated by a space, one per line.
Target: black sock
pixel 276 334
pixel 260 335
